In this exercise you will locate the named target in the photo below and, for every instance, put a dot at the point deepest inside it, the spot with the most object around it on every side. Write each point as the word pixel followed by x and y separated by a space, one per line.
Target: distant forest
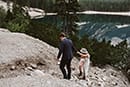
pixel 96 5
pixel 105 5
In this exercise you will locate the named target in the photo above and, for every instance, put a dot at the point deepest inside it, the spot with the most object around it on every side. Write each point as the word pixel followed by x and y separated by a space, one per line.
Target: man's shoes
pixel 68 78
pixel 65 77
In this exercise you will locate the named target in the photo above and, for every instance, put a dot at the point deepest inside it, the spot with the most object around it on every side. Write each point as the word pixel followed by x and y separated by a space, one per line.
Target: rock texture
pixel 29 62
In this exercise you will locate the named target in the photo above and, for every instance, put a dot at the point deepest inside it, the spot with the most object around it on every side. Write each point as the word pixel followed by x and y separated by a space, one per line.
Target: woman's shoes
pixel 81 75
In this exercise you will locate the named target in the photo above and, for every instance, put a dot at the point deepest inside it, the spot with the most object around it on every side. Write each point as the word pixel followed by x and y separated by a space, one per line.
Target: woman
pixel 84 63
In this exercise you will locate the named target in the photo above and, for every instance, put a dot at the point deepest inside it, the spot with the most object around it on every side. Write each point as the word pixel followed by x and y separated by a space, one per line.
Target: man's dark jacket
pixel 66 49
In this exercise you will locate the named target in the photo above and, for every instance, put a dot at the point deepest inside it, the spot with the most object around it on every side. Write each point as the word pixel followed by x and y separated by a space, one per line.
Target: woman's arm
pixel 83 55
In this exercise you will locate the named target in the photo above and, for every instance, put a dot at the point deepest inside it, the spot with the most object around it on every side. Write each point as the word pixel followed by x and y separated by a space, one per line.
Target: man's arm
pixel 73 47
pixel 60 50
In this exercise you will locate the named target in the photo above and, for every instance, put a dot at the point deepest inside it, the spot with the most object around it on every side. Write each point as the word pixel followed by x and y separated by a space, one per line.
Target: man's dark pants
pixel 67 63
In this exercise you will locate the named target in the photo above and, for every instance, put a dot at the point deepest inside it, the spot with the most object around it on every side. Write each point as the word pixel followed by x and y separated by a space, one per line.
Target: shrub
pixel 2 15
pixel 46 32
pixel 17 20
pixel 18 24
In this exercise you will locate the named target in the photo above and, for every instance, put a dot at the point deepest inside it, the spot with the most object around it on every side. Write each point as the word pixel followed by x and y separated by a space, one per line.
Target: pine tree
pixel 66 10
pixel 122 54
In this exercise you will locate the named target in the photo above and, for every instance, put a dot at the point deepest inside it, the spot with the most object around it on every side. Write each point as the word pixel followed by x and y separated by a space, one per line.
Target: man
pixel 66 50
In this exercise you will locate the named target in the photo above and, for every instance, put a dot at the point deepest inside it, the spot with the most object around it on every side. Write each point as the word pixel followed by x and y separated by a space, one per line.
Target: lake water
pixel 98 25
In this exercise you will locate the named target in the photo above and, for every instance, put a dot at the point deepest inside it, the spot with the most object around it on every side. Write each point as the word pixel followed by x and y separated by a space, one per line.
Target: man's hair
pixel 62 34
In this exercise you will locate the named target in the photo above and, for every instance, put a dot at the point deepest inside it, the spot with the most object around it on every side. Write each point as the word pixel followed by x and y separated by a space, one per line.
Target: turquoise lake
pixel 97 25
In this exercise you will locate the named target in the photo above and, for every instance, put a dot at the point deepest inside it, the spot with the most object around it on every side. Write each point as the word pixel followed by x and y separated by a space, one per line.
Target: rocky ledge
pixel 28 62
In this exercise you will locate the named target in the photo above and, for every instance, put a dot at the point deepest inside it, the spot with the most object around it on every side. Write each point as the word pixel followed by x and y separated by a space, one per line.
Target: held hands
pixel 78 52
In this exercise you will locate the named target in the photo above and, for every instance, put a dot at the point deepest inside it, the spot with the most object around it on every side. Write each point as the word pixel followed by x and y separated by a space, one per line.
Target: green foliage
pixel 2 16
pixel 103 52
pixel 105 5
pixel 46 32
pixel 122 55
pixel 17 20
pixel 102 5
pixel 18 24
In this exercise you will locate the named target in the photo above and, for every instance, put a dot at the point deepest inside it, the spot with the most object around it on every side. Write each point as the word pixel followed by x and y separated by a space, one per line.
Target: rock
pixel 41 63
pixel 114 83
pixel 38 73
pixel 113 74
pixel 83 83
pixel 36 81
pixel 34 66
pixel 12 68
pixel 4 30
pixel 104 78
pixel 30 68
pixel 128 72
pixel 1 76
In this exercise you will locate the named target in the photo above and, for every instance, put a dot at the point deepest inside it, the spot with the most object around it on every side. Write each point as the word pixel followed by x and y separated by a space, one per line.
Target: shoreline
pixel 38 13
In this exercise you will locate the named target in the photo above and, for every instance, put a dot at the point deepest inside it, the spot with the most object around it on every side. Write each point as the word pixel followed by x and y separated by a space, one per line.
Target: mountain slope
pixel 29 62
